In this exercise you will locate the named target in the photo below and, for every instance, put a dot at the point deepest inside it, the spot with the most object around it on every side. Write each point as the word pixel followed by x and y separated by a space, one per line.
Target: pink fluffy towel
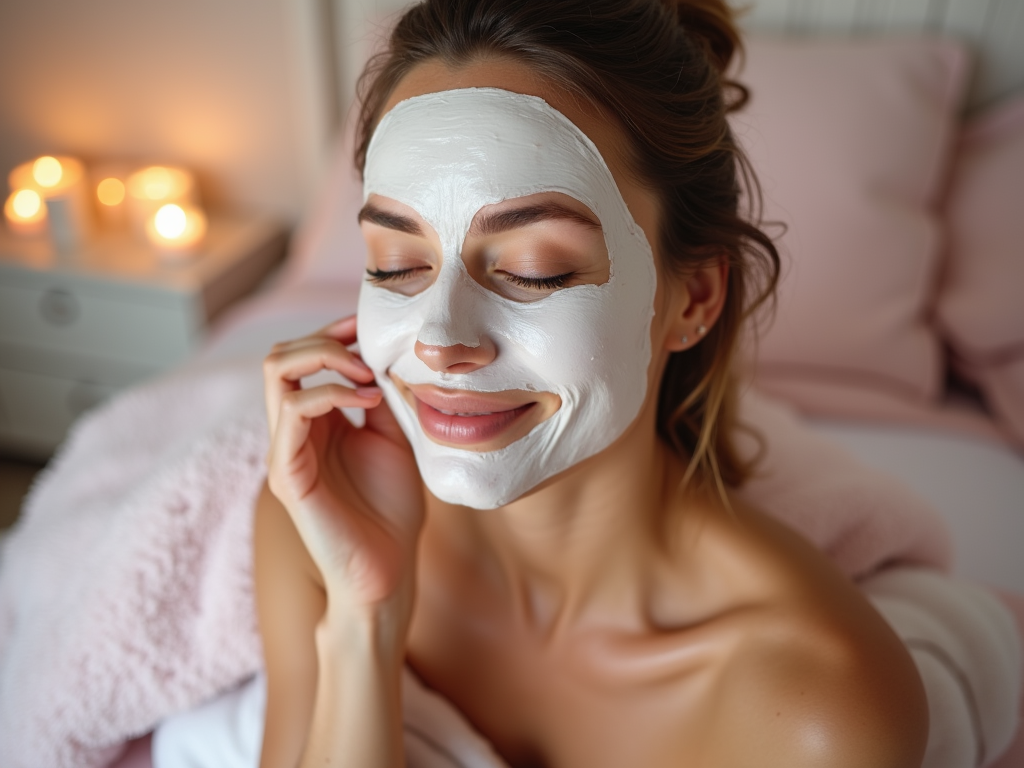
pixel 126 588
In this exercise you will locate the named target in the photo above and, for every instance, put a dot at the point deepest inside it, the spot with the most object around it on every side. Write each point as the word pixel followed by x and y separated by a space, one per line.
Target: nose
pixel 453 338
pixel 456 358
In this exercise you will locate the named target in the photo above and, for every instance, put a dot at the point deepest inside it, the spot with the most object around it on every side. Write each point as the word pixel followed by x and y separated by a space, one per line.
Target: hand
pixel 354 494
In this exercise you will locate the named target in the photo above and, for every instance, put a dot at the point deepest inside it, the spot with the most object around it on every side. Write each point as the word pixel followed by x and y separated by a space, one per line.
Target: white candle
pixel 25 212
pixel 60 181
pixel 176 231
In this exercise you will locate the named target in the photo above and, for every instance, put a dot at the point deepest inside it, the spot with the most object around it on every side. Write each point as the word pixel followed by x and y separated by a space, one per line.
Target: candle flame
pixel 170 221
pixel 26 203
pixel 110 191
pixel 47 171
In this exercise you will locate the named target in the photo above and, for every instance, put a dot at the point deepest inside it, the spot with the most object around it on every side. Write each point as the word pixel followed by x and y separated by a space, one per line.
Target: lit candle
pixel 155 186
pixel 176 230
pixel 110 195
pixel 25 212
pixel 60 181
pixel 110 192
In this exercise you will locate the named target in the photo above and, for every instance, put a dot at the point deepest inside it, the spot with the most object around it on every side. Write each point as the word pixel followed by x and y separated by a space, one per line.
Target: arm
pixel 357 717
pixel 336 542
pixel 316 664
pixel 290 601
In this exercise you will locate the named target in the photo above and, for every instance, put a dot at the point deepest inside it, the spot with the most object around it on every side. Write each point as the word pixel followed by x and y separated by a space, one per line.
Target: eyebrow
pixel 375 215
pixel 489 224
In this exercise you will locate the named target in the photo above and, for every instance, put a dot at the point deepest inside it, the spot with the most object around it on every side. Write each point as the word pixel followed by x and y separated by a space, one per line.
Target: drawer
pixel 36 410
pixel 58 315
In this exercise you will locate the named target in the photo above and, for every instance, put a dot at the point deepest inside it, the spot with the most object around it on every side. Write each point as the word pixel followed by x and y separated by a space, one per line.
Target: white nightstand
pixel 76 328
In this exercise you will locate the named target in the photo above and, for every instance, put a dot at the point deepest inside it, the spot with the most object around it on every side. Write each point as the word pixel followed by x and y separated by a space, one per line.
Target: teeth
pixel 456 413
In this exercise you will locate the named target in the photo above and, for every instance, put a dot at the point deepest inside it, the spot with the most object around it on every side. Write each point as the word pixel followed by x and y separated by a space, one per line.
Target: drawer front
pixel 61 317
pixel 37 410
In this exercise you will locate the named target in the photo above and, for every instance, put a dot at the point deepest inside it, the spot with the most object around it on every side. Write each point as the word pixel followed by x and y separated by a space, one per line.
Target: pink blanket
pixel 126 590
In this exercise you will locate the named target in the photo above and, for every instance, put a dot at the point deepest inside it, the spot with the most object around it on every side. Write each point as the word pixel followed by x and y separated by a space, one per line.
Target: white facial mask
pixel 446 155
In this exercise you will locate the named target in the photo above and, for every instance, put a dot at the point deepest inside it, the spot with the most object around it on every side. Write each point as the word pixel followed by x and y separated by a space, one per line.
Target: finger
pixel 284 368
pixel 298 362
pixel 310 342
pixel 300 408
pixel 274 391
pixel 343 330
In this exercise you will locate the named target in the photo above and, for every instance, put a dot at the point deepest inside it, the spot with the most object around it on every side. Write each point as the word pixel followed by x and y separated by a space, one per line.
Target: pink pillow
pixel 981 303
pixel 850 139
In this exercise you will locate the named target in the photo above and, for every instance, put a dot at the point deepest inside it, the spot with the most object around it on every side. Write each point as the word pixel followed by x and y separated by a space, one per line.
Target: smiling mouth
pixel 467 427
pixel 473 420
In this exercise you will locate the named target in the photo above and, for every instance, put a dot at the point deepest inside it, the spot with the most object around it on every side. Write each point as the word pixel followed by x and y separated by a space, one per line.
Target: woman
pixel 534 517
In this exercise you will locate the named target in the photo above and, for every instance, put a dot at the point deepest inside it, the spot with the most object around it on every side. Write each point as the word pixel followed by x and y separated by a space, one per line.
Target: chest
pixel 544 703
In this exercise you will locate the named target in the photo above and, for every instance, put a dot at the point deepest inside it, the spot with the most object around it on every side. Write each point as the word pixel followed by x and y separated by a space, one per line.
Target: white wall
pixel 235 89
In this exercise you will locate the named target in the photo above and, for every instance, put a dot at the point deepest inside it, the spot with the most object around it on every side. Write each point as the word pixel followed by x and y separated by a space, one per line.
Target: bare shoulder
pixel 814 675
pixel 804 690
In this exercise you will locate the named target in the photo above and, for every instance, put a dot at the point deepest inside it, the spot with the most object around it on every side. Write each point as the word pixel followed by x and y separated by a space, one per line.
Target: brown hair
pixel 660 69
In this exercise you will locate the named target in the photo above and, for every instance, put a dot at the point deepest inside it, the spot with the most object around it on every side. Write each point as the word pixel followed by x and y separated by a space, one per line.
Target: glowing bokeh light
pixel 47 171
pixel 25 212
pixel 110 191
pixel 158 183
pixel 170 221
pixel 27 203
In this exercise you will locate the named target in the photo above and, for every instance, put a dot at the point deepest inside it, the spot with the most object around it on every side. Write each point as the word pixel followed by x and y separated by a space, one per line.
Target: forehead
pixel 516 76
pixel 448 154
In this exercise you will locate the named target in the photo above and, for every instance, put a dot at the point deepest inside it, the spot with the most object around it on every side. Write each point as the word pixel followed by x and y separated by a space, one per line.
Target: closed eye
pixel 539 283
pixel 383 276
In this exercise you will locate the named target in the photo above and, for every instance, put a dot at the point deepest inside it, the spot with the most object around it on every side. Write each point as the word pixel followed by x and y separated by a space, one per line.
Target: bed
pixel 896 161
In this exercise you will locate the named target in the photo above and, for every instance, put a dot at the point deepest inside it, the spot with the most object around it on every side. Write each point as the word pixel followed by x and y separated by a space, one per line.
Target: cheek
pixel 386 326
pixel 566 336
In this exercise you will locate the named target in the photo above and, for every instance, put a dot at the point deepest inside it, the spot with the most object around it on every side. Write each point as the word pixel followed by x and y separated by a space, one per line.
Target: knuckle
pixel 272 361
pixel 276 485
pixel 291 403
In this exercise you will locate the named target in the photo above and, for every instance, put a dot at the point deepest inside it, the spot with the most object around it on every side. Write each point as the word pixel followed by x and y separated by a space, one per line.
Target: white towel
pixel 967 648
pixel 227 731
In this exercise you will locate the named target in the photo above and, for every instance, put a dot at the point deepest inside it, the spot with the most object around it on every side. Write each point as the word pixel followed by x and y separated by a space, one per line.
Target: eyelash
pixel 542 283
pixel 381 276
pixel 536 283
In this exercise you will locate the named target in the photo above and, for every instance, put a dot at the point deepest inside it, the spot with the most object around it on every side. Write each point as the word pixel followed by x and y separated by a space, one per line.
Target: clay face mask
pixel 446 155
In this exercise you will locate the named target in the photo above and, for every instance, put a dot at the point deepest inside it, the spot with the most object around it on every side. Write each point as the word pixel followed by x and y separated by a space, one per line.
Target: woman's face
pixel 510 285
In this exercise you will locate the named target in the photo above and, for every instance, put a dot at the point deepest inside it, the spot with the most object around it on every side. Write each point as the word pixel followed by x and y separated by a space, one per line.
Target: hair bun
pixel 712 21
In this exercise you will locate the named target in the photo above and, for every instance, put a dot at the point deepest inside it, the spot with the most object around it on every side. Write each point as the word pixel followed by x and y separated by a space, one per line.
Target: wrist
pixel 373 632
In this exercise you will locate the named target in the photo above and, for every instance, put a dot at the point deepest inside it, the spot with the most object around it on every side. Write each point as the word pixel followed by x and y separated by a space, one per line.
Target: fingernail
pixel 370 393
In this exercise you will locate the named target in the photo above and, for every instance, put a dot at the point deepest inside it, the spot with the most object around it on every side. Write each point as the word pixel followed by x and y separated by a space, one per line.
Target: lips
pixel 467 429
pixel 467 418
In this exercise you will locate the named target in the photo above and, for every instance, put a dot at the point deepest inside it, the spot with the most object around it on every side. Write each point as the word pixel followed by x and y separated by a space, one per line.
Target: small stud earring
pixel 685 340
pixel 701 330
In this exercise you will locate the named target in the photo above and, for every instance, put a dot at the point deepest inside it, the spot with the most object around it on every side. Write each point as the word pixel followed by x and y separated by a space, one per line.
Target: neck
pixel 583 542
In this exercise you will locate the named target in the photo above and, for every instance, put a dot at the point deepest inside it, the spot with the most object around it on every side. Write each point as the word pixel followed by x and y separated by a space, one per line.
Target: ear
pixel 696 305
